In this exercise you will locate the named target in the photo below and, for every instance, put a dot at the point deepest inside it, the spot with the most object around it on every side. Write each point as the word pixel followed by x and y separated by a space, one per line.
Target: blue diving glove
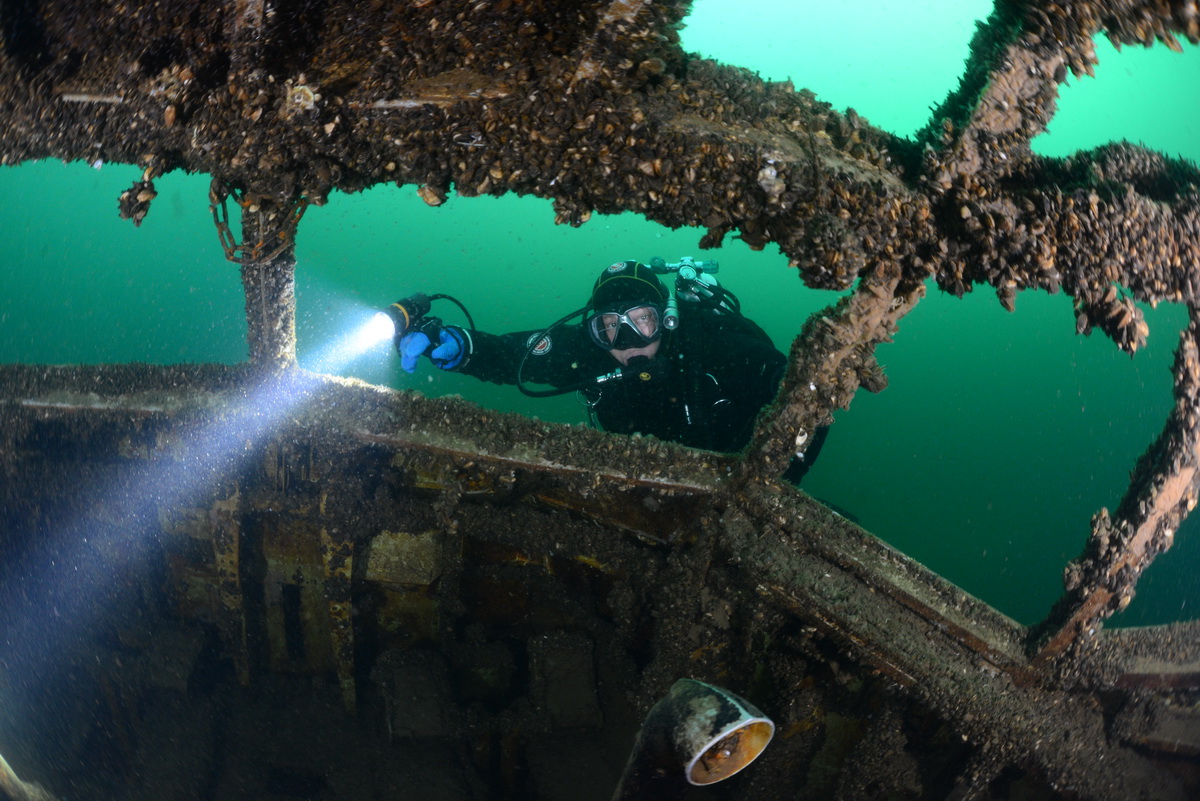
pixel 447 354
pixel 411 346
pixel 450 350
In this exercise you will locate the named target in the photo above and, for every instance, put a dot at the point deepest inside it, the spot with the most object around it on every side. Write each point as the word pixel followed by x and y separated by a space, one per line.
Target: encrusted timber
pixel 1127 217
pixel 337 550
pixel 803 176
pixel 773 165
pixel 1156 658
pixel 833 356
pixel 974 144
pixel 269 285
pixel 718 148
pixel 1129 224
pixel 451 435
pixel 226 518
pixel 1163 489
pixel 882 608
pixel 1007 223
pixel 1141 22
pixel 1158 668
pixel 439 143
pixel 212 421
pixel 831 575
pixel 712 146
pixel 831 212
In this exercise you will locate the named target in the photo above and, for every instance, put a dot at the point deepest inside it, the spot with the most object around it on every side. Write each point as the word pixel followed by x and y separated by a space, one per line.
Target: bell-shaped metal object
pixel 698 734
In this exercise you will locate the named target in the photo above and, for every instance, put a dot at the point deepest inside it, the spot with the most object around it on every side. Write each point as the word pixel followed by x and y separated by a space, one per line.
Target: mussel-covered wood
pixel 594 105
pixel 348 463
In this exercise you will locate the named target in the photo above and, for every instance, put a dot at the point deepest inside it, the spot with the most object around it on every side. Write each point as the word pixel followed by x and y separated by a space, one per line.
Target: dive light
pixel 407 314
pixel 670 319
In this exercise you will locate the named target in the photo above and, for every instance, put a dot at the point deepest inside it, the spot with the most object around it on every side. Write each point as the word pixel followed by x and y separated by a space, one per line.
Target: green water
pixel 999 435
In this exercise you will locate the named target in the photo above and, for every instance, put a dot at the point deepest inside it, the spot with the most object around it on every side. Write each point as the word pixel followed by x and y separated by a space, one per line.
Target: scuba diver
pixel 683 365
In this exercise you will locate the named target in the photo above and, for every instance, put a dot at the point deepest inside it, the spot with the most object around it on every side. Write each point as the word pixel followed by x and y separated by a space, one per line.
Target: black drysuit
pixel 709 379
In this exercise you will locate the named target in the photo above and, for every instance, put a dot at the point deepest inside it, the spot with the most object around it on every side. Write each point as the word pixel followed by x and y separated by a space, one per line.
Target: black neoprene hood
pixel 626 284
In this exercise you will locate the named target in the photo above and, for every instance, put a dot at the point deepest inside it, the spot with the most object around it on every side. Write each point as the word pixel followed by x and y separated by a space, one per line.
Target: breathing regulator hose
pixel 531 346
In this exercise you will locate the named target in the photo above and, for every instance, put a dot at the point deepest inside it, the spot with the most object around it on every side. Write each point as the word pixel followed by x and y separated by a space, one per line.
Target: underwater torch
pixel 408 313
pixel 411 314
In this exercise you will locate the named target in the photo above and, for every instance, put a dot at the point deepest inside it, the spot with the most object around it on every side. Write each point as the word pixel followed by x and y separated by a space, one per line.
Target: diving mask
pixel 633 328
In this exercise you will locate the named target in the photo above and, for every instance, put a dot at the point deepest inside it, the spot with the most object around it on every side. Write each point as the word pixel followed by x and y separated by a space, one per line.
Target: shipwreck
pixel 256 581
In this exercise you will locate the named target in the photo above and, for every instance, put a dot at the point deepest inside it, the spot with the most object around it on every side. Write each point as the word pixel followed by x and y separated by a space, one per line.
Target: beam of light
pixel 80 564
pixel 75 567
pixel 367 334
pixel 380 328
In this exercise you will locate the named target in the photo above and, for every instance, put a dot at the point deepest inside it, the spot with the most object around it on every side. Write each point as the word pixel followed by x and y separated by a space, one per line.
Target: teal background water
pixel 999 435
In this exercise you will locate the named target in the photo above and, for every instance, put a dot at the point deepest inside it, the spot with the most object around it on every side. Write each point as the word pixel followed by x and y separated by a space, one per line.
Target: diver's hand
pixel 450 349
pixel 411 346
pixel 446 354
